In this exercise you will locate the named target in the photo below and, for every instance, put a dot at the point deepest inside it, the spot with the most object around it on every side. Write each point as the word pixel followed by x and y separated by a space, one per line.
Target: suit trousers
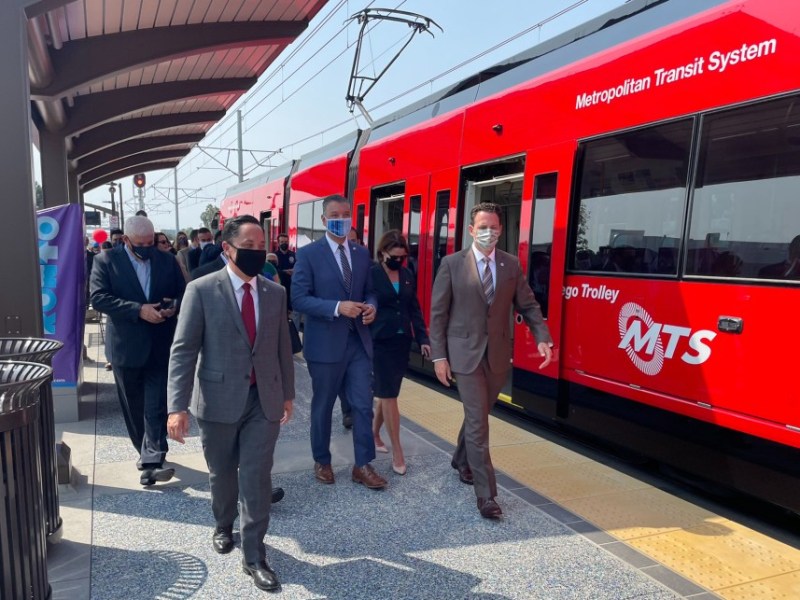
pixel 353 374
pixel 478 392
pixel 239 457
pixel 142 395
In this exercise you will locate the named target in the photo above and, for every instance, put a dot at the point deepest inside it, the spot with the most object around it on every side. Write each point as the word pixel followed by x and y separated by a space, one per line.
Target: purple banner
pixel 62 264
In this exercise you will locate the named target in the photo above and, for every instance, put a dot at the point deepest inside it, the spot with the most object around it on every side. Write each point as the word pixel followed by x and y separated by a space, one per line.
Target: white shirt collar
pixel 479 256
pixel 238 282
pixel 334 245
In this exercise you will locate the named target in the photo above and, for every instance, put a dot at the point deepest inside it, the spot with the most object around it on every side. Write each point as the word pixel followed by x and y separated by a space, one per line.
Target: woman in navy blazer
pixel 399 319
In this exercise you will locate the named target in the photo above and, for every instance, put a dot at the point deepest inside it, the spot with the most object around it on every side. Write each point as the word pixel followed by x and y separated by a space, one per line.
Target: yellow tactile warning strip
pixel 716 553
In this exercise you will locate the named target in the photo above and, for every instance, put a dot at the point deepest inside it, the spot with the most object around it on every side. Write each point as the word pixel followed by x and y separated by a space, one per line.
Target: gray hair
pixel 272 255
pixel 139 226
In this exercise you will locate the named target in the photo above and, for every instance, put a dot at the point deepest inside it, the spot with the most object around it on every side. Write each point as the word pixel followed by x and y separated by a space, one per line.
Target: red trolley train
pixel 649 166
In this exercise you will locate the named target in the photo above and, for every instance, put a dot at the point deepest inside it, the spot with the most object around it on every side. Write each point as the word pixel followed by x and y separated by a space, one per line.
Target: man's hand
pixel 178 426
pixel 546 351
pixel 288 409
pixel 169 312
pixel 351 309
pixel 288 271
pixel 443 374
pixel 150 313
pixel 426 350
pixel 369 313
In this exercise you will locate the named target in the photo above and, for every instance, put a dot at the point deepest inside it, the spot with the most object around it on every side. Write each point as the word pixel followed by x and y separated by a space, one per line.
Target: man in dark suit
pixel 332 288
pixel 471 303
pixel 140 289
pixel 204 238
pixel 234 321
pixel 210 267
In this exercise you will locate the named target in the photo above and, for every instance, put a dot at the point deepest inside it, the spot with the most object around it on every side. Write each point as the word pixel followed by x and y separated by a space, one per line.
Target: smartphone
pixel 166 304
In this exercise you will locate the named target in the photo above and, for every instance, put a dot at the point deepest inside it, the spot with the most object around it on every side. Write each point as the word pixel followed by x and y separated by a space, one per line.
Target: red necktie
pixel 249 318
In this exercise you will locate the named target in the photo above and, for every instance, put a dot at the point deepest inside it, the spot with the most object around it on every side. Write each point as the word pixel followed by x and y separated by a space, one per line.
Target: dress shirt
pixel 238 290
pixel 142 268
pixel 334 246
pixel 479 256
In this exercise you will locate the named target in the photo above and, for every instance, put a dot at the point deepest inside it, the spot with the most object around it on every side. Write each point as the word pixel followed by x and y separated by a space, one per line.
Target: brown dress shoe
pixel 464 473
pixel 489 508
pixel 368 476
pixel 323 473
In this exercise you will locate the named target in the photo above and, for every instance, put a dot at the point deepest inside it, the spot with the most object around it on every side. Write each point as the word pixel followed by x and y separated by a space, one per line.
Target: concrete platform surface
pixel 420 538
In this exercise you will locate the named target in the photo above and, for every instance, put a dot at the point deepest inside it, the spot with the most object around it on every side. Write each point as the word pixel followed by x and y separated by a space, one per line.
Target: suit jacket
pixel 211 331
pixel 397 311
pixel 115 291
pixel 464 327
pixel 193 258
pixel 210 267
pixel 317 286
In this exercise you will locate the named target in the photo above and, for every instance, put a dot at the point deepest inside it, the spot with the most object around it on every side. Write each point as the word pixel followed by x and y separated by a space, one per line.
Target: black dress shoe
pixel 151 475
pixel 489 508
pixel 222 540
pixel 277 495
pixel 264 577
pixel 347 422
pixel 464 473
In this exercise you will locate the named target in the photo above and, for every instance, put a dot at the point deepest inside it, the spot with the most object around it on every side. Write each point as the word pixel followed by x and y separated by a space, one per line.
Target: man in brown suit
pixel 473 294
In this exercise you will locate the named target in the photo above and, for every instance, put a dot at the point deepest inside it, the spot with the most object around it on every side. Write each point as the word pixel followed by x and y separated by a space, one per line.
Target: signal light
pixel 139 180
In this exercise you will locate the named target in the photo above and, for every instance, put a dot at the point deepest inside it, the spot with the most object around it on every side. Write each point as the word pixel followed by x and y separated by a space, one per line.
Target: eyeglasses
pixel 164 242
pixel 402 257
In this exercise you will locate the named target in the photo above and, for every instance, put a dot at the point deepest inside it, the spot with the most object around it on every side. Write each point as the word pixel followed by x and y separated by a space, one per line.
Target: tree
pixel 208 215
pixel 39 196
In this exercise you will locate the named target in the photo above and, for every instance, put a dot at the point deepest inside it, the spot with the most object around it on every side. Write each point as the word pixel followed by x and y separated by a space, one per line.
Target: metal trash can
pixel 41 350
pixel 23 547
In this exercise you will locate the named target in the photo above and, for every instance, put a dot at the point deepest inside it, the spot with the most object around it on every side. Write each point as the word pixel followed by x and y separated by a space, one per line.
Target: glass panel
pixel 319 228
pixel 632 193
pixel 414 230
pixel 440 229
pixel 508 195
pixel 544 207
pixel 305 224
pixel 746 206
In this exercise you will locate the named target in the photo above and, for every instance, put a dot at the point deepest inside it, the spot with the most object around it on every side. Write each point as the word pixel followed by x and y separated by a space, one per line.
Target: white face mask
pixel 486 238
pixel 204 244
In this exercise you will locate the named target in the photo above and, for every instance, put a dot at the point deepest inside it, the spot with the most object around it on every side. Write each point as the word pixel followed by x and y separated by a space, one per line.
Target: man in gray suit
pixel 234 320
pixel 471 303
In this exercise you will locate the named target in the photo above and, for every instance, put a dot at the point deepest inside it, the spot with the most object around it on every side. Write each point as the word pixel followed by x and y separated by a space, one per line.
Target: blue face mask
pixel 339 227
pixel 143 252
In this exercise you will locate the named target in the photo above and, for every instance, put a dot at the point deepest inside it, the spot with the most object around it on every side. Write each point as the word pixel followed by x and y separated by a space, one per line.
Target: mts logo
pixel 640 334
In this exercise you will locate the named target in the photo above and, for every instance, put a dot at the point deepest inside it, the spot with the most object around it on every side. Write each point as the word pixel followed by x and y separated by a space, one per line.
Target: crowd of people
pixel 202 326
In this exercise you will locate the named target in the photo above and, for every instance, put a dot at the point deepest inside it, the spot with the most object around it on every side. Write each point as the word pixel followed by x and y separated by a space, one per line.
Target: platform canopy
pixel 133 85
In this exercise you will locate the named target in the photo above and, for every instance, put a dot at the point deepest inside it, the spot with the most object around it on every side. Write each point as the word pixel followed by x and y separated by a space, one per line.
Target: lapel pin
pixel 502 264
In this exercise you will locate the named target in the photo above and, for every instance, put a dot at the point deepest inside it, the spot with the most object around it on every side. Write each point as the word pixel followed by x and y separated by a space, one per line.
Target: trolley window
pixel 745 220
pixel 544 208
pixel 386 212
pixel 414 229
pixel 441 228
pixel 309 223
pixel 631 201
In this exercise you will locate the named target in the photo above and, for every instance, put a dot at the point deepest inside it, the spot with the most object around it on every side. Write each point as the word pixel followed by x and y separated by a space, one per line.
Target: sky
pixel 302 97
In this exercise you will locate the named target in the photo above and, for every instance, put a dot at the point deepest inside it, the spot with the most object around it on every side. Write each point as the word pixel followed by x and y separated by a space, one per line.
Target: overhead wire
pixel 408 91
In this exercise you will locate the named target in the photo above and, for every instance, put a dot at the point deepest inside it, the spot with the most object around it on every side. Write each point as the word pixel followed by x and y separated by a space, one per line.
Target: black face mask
pixel 394 263
pixel 284 247
pixel 250 261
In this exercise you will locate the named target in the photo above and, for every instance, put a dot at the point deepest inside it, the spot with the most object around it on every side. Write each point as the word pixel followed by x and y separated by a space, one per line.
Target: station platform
pixel 573 528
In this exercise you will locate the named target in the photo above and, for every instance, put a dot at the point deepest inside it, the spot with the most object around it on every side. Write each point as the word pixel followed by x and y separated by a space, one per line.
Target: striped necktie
pixel 347 273
pixel 486 280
